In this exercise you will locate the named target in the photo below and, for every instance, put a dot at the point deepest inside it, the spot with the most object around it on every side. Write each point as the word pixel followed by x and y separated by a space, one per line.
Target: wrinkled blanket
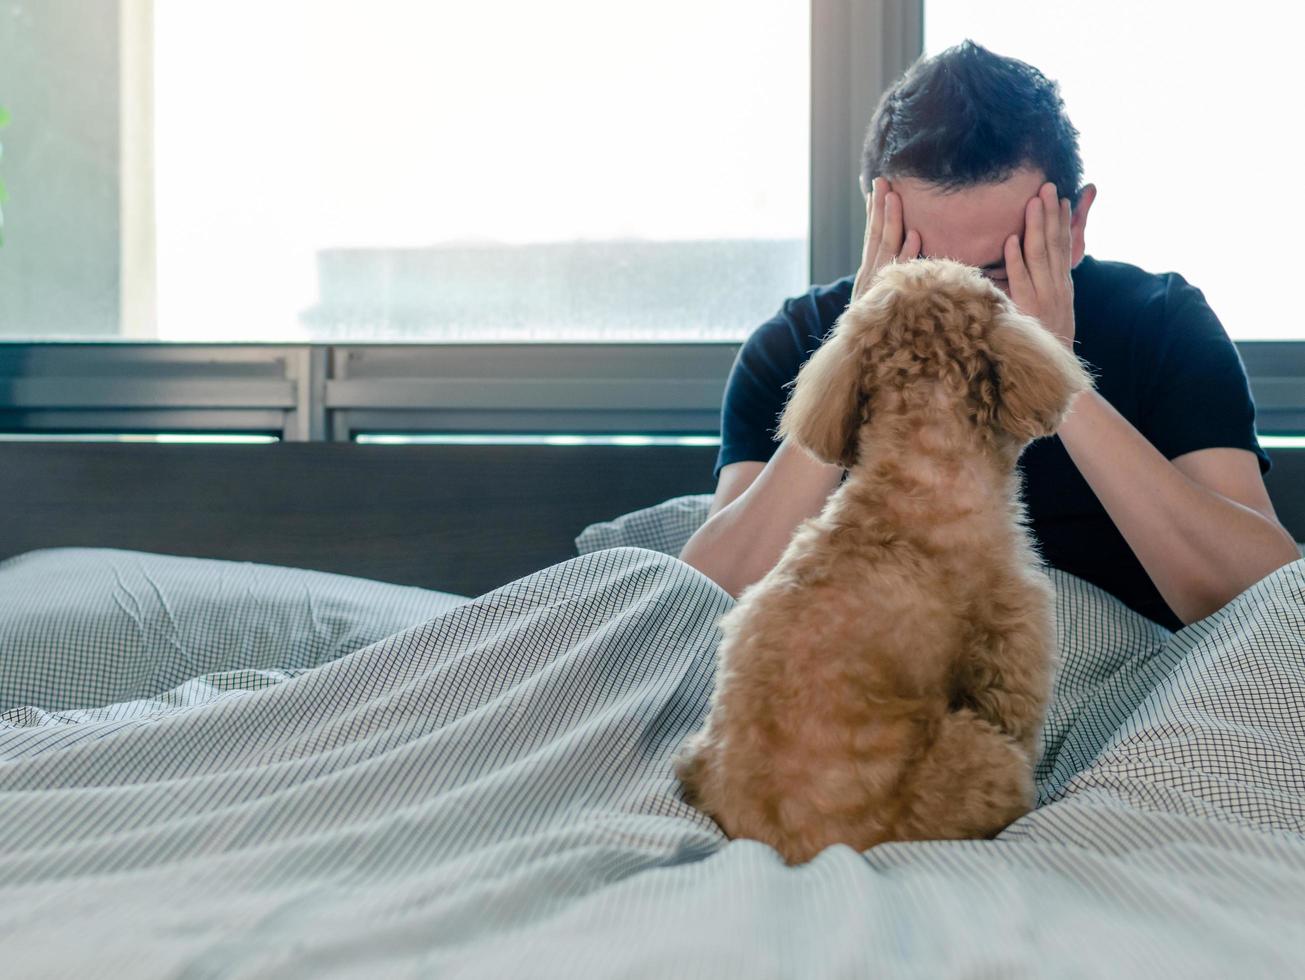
pixel 212 780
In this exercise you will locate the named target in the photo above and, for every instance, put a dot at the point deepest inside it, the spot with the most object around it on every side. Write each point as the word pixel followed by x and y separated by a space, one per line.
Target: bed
pixel 221 768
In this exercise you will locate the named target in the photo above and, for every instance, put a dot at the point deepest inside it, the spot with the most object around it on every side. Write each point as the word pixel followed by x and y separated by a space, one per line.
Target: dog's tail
pixel 973 781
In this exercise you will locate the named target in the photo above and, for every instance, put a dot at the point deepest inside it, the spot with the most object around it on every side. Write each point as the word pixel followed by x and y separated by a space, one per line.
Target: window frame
pixel 330 392
pixel 333 392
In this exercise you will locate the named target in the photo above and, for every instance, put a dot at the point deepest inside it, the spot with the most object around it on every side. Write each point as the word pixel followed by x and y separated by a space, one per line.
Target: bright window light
pixel 1282 442
pixel 531 439
pixel 510 170
pixel 1188 115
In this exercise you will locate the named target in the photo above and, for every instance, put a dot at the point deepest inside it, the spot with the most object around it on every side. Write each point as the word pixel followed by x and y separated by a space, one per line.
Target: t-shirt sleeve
pixel 1202 398
pixel 755 392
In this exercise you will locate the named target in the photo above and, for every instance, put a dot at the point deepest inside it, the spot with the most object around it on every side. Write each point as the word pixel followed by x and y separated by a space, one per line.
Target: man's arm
pixel 1201 526
pixel 754 514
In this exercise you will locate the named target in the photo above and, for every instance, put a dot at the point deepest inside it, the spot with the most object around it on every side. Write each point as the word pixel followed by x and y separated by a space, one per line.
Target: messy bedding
pixel 223 769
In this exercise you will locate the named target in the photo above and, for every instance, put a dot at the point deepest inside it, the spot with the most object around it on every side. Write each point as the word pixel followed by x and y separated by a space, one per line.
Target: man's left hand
pixel 1040 282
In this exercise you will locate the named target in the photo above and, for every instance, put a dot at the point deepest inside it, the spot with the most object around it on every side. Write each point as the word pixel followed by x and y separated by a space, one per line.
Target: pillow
pixel 664 527
pixel 85 627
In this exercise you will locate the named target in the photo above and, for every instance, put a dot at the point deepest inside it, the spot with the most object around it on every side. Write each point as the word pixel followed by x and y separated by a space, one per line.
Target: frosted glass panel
pixel 352 170
pixel 571 170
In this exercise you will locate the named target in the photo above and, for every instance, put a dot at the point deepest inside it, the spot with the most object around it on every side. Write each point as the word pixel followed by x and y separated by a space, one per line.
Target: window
pixel 1187 115
pixel 352 170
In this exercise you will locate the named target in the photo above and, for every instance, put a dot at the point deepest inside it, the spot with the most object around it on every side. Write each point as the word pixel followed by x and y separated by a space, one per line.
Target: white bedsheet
pixel 486 791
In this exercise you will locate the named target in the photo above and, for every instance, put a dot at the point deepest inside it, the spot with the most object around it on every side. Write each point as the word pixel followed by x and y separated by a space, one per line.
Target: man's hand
pixel 883 236
pixel 1040 282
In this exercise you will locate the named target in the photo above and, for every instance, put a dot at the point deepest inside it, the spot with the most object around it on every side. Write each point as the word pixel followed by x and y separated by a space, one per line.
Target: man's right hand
pixel 884 240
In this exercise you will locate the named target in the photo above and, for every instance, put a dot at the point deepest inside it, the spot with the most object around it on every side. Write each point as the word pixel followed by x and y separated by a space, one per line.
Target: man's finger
pixel 1035 245
pixel 875 227
pixel 1035 242
pixel 1051 220
pixel 1021 286
pixel 891 242
pixel 1066 235
pixel 1054 213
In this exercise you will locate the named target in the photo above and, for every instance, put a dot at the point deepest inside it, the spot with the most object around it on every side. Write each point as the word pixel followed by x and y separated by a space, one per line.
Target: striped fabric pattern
pixel 486 791
pixel 85 627
pixel 664 527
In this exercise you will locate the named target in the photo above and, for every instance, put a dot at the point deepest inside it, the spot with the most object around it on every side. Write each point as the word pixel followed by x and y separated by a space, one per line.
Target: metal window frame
pixel 332 393
pixel 315 393
pixel 848 77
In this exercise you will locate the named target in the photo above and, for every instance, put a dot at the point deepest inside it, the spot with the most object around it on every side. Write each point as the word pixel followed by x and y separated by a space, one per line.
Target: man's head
pixel 966 138
pixel 967 116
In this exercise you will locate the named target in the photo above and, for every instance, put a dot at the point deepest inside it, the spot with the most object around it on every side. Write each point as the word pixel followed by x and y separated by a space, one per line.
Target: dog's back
pixel 887 680
pixel 838 717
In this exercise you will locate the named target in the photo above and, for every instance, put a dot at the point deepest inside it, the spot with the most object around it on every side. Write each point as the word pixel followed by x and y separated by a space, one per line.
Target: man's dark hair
pixel 967 116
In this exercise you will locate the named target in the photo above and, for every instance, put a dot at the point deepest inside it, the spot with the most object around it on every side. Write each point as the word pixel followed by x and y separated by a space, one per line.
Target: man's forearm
pixel 742 542
pixel 1198 547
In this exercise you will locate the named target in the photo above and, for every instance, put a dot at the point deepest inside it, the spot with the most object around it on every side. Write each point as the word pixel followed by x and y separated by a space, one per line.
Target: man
pixel 1153 487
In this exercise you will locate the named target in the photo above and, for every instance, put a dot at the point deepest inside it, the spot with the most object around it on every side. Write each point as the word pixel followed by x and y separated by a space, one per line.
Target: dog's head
pixel 931 335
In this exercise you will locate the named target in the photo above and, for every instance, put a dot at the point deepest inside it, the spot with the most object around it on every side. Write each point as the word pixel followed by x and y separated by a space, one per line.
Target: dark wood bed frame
pixel 458 518
pixel 462 519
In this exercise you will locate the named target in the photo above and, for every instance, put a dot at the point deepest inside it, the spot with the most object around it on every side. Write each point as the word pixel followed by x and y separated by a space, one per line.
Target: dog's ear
pixel 1037 376
pixel 824 412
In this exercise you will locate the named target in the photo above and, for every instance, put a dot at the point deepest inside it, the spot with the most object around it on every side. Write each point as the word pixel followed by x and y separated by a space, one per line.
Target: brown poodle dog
pixel 888 679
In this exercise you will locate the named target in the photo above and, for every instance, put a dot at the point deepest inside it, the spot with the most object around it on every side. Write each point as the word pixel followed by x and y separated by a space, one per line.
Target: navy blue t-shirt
pixel 1159 356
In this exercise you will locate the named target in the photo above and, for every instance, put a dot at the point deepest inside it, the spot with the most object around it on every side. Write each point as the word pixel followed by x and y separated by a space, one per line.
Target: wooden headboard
pixel 457 518
pixel 462 519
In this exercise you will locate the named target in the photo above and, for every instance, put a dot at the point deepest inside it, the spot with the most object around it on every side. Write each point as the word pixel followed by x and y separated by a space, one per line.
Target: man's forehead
pixel 970 224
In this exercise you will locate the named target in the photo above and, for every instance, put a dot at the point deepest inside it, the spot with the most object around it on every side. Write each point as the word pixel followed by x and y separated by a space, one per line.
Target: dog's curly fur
pixel 888 679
